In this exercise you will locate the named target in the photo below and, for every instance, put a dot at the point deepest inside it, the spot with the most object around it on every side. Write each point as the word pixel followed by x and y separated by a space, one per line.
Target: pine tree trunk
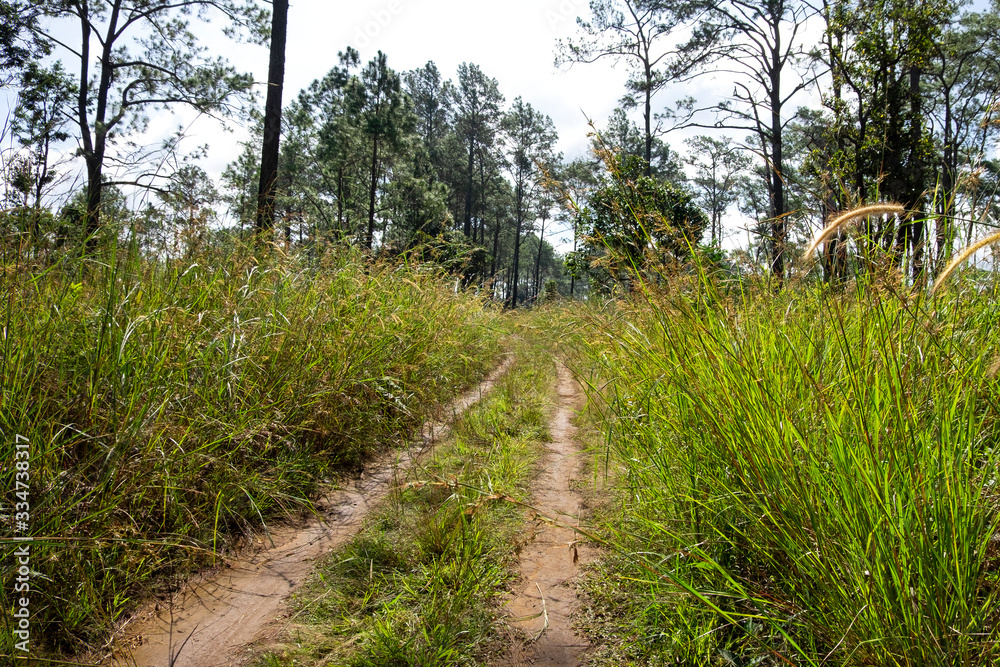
pixel 538 260
pixel 272 118
pixel 370 236
pixel 467 223
pixel 779 226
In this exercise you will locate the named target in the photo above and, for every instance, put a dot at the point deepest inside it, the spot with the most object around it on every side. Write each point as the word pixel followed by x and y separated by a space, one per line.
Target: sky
pixel 512 41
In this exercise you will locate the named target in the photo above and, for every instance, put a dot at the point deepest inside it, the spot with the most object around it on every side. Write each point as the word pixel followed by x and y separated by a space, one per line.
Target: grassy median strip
pixel 423 583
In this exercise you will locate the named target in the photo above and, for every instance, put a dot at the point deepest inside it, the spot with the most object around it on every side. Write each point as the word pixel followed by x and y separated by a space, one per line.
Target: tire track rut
pixel 544 604
pixel 215 619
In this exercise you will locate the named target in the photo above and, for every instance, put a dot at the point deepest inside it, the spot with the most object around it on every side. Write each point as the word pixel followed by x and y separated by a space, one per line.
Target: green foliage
pixel 719 168
pixel 419 208
pixel 880 141
pixel 384 118
pixel 44 99
pixel 171 407
pixel 638 223
pixel 432 103
pixel 26 228
pixel 147 59
pixel 964 74
pixel 477 102
pixel 20 45
pixel 807 480
pixel 550 293
pixel 450 250
pixel 390 161
pixel 529 140
pixel 889 149
pixel 39 122
pixel 634 32
pixel 240 180
pixel 623 134
pixel 187 212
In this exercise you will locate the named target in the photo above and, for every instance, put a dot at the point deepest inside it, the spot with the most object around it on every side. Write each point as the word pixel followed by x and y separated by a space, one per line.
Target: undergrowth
pixel 173 406
pixel 422 584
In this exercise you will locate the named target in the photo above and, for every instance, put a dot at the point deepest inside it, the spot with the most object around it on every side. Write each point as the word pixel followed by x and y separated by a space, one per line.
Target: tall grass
pixel 172 406
pixel 808 479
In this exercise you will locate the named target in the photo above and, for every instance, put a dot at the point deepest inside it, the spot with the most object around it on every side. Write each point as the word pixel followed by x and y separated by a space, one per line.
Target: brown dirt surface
pixel 545 600
pixel 216 618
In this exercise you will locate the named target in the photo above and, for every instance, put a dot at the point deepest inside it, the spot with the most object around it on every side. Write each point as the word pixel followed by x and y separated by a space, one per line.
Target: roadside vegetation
pixel 423 583
pixel 802 479
pixel 174 406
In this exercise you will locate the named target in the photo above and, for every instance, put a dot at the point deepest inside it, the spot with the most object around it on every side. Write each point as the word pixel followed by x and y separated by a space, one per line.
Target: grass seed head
pixel 961 257
pixel 850 216
pixel 994 368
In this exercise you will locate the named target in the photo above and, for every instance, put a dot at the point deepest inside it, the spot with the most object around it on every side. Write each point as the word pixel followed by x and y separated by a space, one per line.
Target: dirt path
pixel 212 622
pixel 546 598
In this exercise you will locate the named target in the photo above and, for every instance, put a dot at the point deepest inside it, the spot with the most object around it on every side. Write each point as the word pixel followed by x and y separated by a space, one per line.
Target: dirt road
pixel 212 622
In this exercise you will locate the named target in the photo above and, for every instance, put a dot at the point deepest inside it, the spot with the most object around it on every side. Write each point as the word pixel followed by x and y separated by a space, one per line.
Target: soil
pixel 214 621
pixel 546 598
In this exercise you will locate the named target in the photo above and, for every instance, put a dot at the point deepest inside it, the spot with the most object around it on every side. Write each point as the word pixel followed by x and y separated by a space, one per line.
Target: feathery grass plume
pixel 851 216
pixel 962 256
pixel 705 412
pixel 994 368
pixel 557 188
pixel 991 117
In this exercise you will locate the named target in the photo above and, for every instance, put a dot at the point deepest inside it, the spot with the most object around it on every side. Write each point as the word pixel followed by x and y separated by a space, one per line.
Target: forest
pixel 891 104
pixel 756 316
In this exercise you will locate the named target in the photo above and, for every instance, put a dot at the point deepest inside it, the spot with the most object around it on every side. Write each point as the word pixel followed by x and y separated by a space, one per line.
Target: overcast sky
pixel 513 42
